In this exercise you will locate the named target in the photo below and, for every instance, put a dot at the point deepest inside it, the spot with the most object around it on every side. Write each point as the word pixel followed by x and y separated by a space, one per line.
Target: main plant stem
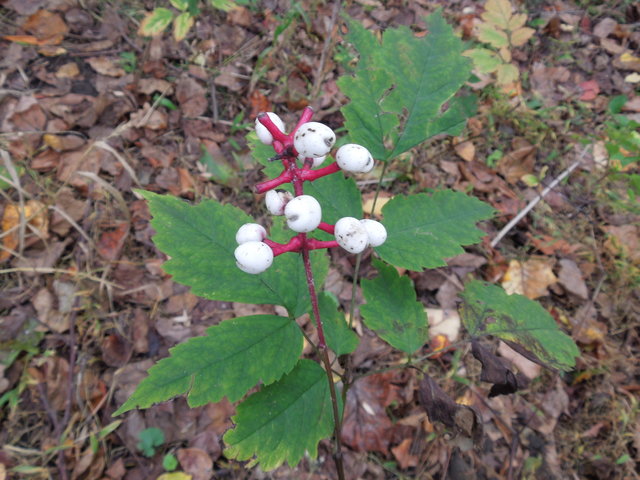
pixel 324 353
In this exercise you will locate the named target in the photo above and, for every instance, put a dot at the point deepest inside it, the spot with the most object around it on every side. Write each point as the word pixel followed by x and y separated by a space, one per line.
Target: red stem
pixel 327 227
pixel 275 132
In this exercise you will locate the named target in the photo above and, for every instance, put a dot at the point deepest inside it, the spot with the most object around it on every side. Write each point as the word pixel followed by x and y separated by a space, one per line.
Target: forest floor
pixel 90 110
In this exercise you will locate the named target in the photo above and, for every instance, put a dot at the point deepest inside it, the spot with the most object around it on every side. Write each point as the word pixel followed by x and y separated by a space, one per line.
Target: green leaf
pixel 340 338
pixel 206 262
pixel 224 5
pixel 489 310
pixel 261 153
pixel 220 170
pixel 338 195
pixel 181 26
pixel 485 60
pixel 155 22
pixel 283 420
pixel 392 310
pixel 424 230
pixel 169 462
pixel 454 119
pixel 149 439
pixel 233 357
pixel 400 85
pixel 489 34
pixel 180 4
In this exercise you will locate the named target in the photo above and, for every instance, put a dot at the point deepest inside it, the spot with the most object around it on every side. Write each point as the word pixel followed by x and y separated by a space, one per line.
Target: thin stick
pixel 322 346
pixel 535 201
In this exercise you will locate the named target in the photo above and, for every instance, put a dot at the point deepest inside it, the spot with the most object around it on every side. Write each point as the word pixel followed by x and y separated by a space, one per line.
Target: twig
pixel 328 41
pixel 535 201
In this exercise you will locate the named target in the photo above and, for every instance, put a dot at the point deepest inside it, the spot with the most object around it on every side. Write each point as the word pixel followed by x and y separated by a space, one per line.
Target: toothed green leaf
pixel 392 310
pixel 200 241
pixel 284 420
pixel 233 357
pixel 423 230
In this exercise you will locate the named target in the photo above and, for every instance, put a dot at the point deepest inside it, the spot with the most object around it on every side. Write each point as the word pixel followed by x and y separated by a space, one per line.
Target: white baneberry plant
pixel 229 257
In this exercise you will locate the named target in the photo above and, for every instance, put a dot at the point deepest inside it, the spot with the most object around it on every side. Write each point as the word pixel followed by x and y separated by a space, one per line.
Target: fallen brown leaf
pixel 530 278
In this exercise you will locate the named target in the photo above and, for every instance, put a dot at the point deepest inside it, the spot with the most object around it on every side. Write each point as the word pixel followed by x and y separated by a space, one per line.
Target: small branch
pixel 311 175
pixel 327 227
pixel 322 347
pixel 278 135
pixel 535 201
pixel 285 177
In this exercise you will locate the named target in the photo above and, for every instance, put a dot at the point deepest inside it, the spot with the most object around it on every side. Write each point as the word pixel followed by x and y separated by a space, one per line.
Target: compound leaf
pixel 155 22
pixel 283 420
pixel 400 85
pixel 340 338
pixel 200 241
pixel 488 310
pixel 233 357
pixel 424 230
pixel 392 310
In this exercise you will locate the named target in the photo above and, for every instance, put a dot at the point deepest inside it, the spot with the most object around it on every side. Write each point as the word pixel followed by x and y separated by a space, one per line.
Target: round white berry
pixel 303 213
pixel 313 140
pixel 276 200
pixel 351 234
pixel 262 132
pixel 316 161
pixel 354 158
pixel 253 257
pixel 376 232
pixel 250 232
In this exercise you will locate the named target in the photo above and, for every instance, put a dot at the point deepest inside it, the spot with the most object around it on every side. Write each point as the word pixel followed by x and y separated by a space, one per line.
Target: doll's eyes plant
pixel 393 107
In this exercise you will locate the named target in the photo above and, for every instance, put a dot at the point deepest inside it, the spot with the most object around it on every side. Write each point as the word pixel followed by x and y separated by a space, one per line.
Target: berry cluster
pixel 301 152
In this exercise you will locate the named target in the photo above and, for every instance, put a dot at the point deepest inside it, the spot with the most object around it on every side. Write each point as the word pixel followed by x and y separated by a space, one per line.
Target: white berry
pixel 354 158
pixel 250 232
pixel 303 213
pixel 314 140
pixel 253 257
pixel 276 200
pixel 262 132
pixel 351 234
pixel 376 232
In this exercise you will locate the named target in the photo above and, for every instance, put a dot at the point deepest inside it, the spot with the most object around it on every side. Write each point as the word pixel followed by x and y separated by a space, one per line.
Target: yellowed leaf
pixel 517 21
pixel 507 73
pixel 498 13
pixel 521 36
pixel 530 278
pixel 632 78
pixel 505 54
pixel 174 476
